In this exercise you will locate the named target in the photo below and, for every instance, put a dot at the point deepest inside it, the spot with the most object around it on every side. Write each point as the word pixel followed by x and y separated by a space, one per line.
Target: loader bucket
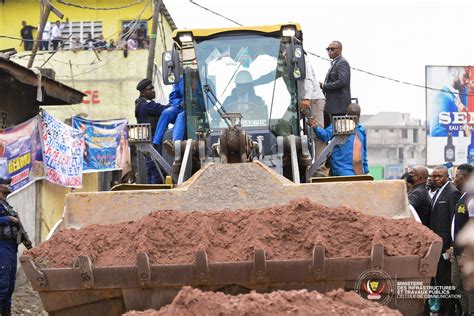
pixel 231 187
pixel 89 290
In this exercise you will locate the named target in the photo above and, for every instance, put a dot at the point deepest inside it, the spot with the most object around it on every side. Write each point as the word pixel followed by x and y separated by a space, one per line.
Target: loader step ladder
pixel 139 135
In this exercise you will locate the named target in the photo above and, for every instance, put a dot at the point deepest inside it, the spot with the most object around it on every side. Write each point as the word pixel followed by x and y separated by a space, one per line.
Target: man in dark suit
pixel 418 196
pixel 337 85
pixel 462 214
pixel 442 212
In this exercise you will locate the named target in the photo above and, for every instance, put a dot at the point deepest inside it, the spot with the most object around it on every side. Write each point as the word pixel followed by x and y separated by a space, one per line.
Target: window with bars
pixel 80 30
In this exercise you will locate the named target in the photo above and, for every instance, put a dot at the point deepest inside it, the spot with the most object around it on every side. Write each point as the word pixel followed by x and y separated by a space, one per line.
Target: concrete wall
pixel 52 198
pixel 24 202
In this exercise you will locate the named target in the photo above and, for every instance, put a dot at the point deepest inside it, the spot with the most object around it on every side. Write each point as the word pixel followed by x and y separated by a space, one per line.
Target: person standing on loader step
pixel 10 236
pixel 349 158
pixel 172 115
pixel 148 111
pixel 419 197
pixel 337 85
pixel 312 100
pixel 441 215
pixel 463 212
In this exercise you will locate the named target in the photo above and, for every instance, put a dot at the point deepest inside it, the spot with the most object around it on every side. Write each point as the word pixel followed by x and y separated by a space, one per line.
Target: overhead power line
pixel 354 68
pixel 99 8
pixel 214 12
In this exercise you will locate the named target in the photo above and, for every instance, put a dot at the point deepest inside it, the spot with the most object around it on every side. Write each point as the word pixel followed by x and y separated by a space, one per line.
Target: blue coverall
pixel 172 115
pixel 341 156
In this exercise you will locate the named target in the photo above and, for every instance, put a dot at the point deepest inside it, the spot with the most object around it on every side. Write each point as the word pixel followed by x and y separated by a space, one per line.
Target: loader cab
pixel 239 70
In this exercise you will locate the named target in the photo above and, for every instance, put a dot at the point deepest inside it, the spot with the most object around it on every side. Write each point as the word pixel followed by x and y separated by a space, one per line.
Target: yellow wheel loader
pixel 246 147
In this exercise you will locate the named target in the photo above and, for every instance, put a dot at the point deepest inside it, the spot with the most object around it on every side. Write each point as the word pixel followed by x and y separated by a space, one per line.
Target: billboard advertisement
pixel 449 105
pixel 20 154
pixel 63 152
pixel 106 143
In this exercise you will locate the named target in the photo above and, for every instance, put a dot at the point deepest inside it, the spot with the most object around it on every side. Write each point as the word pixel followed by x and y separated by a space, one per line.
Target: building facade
pixel 107 77
pixel 394 138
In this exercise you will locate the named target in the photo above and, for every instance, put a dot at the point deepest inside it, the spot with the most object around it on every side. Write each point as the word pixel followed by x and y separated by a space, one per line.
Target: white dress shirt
pixel 310 89
pixel 56 31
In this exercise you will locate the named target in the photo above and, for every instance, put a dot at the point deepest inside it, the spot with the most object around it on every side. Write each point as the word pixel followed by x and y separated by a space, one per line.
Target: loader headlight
pixel 296 73
pixel 288 31
pixel 167 56
pixel 185 37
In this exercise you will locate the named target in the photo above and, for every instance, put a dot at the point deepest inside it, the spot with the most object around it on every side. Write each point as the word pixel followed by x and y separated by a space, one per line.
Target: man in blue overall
pixel 174 114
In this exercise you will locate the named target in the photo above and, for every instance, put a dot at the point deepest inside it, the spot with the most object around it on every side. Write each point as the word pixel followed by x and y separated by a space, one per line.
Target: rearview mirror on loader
pixel 171 67
pixel 295 61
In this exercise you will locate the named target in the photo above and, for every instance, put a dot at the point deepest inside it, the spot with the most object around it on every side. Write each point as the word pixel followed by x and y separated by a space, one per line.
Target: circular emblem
pixel 376 286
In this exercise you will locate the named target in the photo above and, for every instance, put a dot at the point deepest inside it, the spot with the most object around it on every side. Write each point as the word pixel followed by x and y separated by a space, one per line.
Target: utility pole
pixel 153 36
pixel 44 15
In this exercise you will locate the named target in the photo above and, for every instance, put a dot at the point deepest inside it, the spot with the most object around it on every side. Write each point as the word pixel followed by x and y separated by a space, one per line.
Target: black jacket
pixel 461 215
pixel 337 87
pixel 420 199
pixel 442 212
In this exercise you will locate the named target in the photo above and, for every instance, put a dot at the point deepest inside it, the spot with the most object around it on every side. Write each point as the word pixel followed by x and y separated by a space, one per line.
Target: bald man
pixel 337 84
pixel 441 216
pixel 419 197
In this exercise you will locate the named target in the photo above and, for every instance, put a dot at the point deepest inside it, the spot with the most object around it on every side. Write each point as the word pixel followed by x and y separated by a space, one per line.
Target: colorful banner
pixel 450 134
pixel 63 150
pixel 106 143
pixel 20 154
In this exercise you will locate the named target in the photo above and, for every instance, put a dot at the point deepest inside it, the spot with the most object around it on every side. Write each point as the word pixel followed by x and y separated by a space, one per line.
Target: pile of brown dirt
pixel 191 301
pixel 284 232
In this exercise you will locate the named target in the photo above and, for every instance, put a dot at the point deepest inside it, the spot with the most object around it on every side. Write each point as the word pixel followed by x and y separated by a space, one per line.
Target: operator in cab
pixel 243 100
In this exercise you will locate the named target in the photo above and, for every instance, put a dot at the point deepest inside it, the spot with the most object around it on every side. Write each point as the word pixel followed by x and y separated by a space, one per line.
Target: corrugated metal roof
pixel 168 17
pixel 56 93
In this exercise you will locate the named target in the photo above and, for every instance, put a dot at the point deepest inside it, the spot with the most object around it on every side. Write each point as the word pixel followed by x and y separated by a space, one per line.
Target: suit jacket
pixel 420 199
pixel 442 212
pixel 337 87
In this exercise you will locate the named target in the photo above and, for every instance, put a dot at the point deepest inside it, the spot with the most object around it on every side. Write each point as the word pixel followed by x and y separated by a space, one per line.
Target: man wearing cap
pixel 9 231
pixel 148 111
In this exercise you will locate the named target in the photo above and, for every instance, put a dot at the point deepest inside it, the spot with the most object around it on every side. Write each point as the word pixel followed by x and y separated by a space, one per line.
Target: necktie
pixel 433 201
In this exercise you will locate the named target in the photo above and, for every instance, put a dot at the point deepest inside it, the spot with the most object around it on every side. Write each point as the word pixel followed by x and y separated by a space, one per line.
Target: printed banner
pixel 106 143
pixel 63 150
pixel 20 154
pixel 450 114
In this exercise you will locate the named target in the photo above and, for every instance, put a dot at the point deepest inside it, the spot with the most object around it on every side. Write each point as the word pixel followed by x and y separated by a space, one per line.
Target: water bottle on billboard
pixel 449 150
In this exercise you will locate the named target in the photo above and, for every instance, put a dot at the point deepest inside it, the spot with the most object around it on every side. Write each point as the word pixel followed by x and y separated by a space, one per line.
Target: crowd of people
pixel 53 39
pixel 444 205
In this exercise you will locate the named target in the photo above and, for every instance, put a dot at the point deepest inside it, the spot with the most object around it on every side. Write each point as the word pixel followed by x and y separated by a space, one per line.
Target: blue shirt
pixel 4 220
pixel 444 102
pixel 341 159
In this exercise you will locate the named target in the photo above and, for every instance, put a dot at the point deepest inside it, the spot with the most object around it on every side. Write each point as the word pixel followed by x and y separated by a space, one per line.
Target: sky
pixel 392 39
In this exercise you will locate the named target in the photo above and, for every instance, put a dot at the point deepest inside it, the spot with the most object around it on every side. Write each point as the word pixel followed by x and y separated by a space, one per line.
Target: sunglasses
pixel 331 49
